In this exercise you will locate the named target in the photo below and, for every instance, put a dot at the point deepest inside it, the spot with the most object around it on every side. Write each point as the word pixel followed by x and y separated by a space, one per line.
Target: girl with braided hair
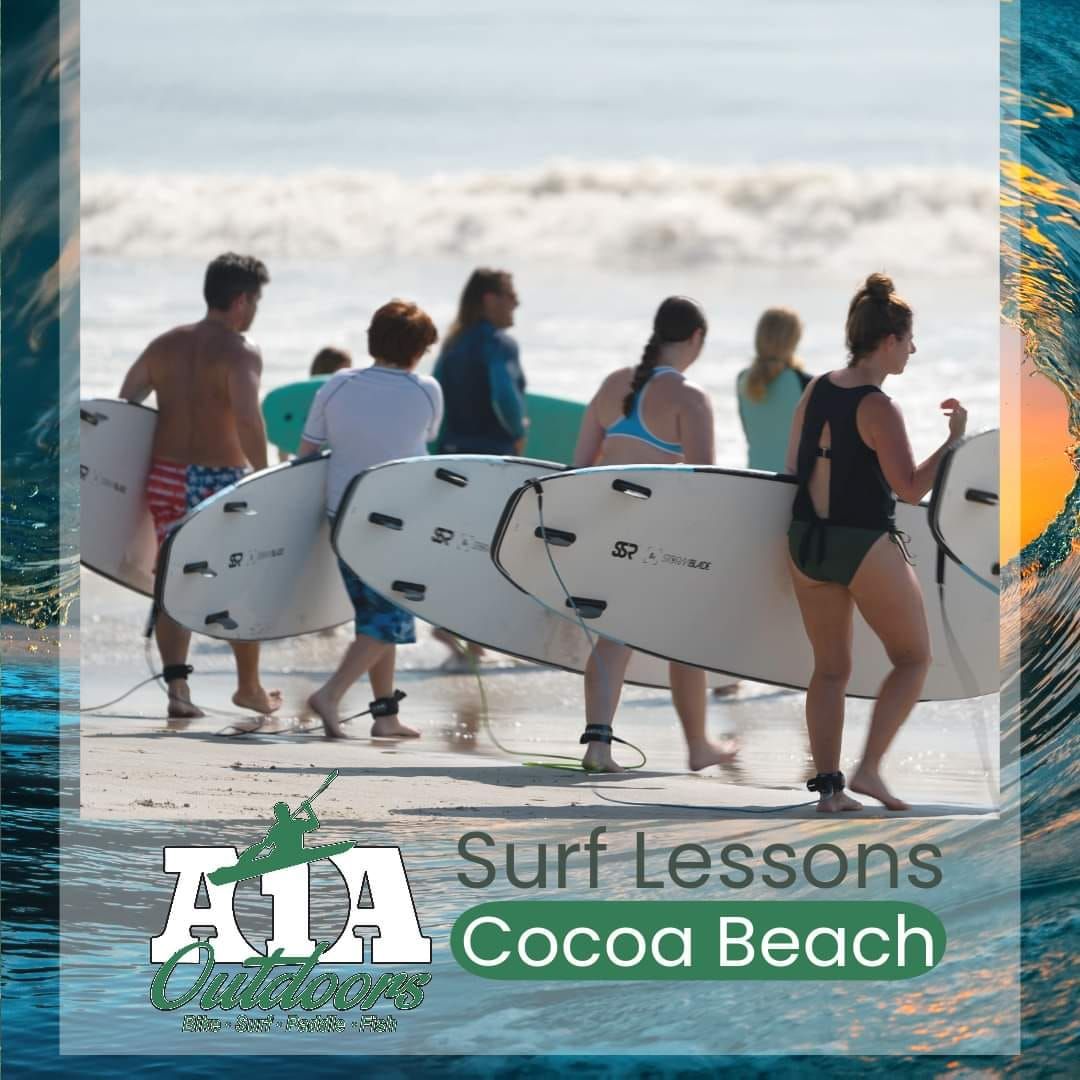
pixel 850 453
pixel 650 414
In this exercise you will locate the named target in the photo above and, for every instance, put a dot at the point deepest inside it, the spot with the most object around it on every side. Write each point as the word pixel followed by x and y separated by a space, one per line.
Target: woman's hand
pixel 957 415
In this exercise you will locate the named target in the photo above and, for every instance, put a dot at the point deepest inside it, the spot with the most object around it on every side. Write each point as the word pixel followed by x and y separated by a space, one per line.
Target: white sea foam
pixel 634 216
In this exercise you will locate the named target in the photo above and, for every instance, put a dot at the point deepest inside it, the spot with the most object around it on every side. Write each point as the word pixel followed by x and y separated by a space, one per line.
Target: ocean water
pixel 270 87
pixel 745 155
pixel 199 131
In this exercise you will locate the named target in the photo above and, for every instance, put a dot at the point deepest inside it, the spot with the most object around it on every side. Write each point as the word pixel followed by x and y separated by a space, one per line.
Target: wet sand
pixel 136 765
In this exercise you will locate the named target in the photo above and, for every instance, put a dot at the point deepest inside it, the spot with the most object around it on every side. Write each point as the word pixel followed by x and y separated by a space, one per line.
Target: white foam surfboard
pixel 418 531
pixel 116 530
pixel 690 563
pixel 254 562
pixel 964 507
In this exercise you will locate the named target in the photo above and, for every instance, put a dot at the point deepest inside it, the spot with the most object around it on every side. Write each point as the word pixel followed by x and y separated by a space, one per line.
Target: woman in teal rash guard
pixel 480 372
pixel 484 393
pixel 770 388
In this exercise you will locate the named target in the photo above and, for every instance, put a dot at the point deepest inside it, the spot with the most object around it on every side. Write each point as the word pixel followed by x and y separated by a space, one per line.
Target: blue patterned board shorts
pixel 375 616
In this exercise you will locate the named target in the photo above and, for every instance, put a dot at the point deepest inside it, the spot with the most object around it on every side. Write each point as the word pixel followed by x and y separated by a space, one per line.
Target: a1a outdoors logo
pixel 290 973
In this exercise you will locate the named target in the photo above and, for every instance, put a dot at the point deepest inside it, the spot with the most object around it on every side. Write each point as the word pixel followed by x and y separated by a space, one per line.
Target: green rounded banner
pixel 697 939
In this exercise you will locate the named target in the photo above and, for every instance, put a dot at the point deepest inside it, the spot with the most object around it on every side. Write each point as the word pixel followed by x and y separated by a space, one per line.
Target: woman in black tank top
pixel 850 453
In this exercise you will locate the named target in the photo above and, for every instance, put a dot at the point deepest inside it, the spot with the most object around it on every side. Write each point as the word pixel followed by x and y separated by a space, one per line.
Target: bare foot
pixel 327 712
pixel 180 706
pixel 869 782
pixel 258 700
pixel 838 803
pixel 457 663
pixel 702 754
pixel 598 759
pixel 390 727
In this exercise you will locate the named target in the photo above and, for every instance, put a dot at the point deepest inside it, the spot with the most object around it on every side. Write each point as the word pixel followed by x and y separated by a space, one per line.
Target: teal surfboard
pixel 285 411
pixel 553 422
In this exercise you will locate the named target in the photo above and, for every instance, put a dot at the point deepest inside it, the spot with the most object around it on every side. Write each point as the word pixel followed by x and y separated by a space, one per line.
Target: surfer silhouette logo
pixel 283 846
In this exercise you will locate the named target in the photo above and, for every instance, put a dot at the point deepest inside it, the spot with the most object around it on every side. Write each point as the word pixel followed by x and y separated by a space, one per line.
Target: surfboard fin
pixel 411 590
pixel 222 619
pixel 452 477
pixel 200 568
pixel 386 520
pixel 555 537
pixel 586 608
pixel 635 491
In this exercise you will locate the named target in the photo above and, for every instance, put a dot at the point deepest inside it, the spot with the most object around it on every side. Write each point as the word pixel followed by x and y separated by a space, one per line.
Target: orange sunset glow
pixel 1037 474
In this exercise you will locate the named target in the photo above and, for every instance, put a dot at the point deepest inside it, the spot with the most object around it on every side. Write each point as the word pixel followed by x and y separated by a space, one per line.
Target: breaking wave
pixel 637 216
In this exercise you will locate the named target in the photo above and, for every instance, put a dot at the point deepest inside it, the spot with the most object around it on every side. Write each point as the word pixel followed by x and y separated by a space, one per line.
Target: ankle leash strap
pixel 826 784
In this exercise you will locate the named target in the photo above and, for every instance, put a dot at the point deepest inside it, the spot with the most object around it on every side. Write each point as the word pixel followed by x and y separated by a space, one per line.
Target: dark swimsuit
pixel 861 504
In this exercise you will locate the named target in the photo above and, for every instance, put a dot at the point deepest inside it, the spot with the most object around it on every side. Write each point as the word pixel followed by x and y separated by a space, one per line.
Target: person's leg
pixel 381 675
pixel 360 657
pixel 166 498
pixel 380 626
pixel 826 609
pixel 451 641
pixel 603 687
pixel 202 481
pixel 249 689
pixel 888 596
pixel 463 654
pixel 688 686
pixel 173 642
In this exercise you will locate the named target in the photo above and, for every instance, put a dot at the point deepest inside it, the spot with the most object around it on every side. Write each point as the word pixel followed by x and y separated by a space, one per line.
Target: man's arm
pixel 137 385
pixel 245 369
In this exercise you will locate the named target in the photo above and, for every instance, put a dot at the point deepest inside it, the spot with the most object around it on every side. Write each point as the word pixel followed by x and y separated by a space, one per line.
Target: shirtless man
pixel 209 434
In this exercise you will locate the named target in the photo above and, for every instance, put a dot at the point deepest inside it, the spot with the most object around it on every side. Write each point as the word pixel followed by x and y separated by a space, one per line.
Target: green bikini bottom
pixel 833 553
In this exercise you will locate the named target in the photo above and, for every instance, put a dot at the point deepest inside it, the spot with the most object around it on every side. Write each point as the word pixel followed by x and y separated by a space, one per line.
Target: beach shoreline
pixel 134 765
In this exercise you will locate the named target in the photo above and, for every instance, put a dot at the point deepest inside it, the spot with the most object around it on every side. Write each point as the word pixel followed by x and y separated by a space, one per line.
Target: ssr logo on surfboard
pixel 369 893
pixel 237 558
pixel 657 556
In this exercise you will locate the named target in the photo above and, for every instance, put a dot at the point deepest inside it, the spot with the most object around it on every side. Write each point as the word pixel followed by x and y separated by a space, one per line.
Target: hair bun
pixel 879 287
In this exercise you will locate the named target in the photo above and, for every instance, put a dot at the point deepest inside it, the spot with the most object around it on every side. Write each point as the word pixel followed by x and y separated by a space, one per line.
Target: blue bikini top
pixel 633 426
